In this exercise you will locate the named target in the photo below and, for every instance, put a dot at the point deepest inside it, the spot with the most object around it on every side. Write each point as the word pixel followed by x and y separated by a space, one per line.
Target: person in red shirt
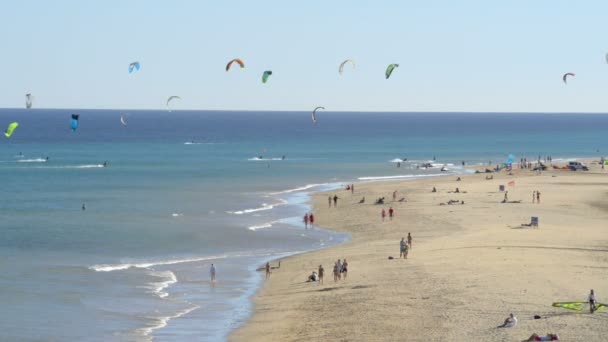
pixel 311 219
pixel 391 212
pixel 383 214
pixel 306 220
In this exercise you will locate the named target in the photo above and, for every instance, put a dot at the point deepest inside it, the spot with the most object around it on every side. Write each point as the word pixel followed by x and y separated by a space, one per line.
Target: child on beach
pixel 409 239
pixel 391 212
pixel 383 214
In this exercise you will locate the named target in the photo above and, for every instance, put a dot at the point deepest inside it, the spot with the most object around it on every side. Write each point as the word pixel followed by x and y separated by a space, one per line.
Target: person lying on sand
pixel 510 322
pixel 548 337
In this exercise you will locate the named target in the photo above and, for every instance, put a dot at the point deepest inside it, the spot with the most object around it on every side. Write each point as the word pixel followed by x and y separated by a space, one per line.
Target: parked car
pixel 574 165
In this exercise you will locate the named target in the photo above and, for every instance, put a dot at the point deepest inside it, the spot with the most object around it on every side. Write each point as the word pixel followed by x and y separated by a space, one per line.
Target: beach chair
pixel 534 221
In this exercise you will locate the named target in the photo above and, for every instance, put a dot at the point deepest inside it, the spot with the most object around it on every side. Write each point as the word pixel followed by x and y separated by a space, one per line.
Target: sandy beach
pixel 470 264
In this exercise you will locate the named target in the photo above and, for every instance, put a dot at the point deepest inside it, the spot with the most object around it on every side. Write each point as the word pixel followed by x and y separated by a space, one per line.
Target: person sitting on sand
pixel 434 190
pixel 362 200
pixel 313 277
pixel 548 337
pixel 458 179
pixel 457 191
pixel 510 322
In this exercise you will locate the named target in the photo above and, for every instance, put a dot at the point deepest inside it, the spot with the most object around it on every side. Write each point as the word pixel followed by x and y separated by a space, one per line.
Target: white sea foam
pixel 396 160
pixel 86 166
pixel 302 188
pixel 162 322
pixel 177 214
pixel 263 225
pixel 397 177
pixel 264 159
pixel 35 160
pixel 262 208
pixel 120 267
pixel 158 287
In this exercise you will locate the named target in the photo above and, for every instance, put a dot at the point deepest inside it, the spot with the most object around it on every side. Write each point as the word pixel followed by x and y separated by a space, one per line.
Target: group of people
pixel 340 271
pixel 334 199
pixel 405 246
pixel 391 213
pixel 309 219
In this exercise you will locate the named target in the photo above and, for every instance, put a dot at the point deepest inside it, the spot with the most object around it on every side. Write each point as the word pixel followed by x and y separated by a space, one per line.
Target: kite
pixel 341 68
pixel 10 129
pixel 314 114
pixel 389 70
pixel 565 77
pixel 28 100
pixel 172 98
pixel 236 60
pixel 133 67
pixel 74 124
pixel 123 119
pixel 265 76
pixel 577 306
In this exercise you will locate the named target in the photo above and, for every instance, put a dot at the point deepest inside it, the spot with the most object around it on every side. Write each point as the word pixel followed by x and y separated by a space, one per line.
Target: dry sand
pixel 470 265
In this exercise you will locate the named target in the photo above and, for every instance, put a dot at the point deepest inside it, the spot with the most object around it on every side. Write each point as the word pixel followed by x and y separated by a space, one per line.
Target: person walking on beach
pixel 534 196
pixel 336 272
pixel 402 244
pixel 311 220
pixel 394 195
pixel 268 270
pixel 592 301
pixel 344 269
pixel 336 201
pixel 506 197
pixel 306 220
pixel 391 212
pixel 537 197
pixel 405 250
pixel 212 273
pixel 383 214
pixel 321 273
pixel 409 239
pixel 352 188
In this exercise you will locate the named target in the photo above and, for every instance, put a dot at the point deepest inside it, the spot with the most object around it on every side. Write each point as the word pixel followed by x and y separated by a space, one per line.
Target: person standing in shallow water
pixel 306 220
pixel 212 273
pixel 268 270
pixel 311 220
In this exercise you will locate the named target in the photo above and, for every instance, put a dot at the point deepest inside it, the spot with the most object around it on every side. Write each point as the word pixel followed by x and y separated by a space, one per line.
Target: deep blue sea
pixel 182 190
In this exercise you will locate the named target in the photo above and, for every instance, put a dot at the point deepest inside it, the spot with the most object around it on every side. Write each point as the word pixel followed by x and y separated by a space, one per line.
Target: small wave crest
pixel 264 159
pixel 262 208
pixel 302 188
pixel 398 177
pixel 35 160
pixel 162 322
pixel 169 279
pixel 120 267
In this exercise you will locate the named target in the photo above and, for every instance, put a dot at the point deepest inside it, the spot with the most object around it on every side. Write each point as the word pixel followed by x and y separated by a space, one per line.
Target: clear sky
pixel 453 55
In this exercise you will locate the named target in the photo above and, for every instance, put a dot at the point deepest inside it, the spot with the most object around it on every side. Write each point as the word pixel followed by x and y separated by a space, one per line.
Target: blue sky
pixel 453 55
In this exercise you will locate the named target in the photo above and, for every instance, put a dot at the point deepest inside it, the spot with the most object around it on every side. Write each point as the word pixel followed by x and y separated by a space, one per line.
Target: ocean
pixel 181 190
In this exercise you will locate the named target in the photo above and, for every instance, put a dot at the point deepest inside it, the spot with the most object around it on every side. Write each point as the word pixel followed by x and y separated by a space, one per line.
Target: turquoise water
pixel 183 190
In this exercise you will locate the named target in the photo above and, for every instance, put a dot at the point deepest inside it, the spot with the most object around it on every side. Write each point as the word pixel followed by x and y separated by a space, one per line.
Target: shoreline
pixel 285 307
